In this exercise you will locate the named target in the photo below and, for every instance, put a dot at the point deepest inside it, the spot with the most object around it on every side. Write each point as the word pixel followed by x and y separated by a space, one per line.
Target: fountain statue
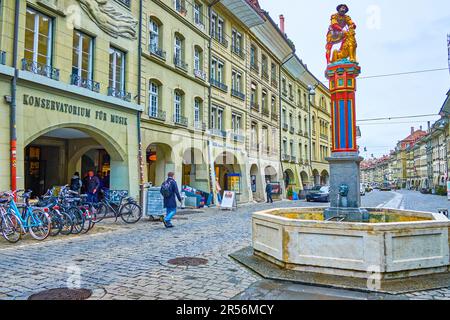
pixel 346 246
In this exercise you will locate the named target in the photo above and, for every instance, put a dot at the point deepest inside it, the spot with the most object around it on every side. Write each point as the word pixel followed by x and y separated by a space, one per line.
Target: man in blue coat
pixel 169 190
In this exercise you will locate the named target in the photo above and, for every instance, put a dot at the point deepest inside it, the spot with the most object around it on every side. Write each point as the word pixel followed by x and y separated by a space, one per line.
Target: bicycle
pixel 11 227
pixel 34 220
pixel 126 208
pixel 62 223
pixel 81 211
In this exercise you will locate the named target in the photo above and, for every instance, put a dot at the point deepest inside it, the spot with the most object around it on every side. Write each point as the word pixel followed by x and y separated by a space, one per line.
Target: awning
pixel 244 12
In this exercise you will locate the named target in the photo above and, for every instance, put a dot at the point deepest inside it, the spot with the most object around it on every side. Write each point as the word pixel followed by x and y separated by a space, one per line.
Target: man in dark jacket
pixel 92 187
pixel 269 190
pixel 170 201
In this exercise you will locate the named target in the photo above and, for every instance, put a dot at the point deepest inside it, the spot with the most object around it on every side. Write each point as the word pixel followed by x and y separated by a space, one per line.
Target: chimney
pixel 429 126
pixel 420 128
pixel 412 130
pixel 282 23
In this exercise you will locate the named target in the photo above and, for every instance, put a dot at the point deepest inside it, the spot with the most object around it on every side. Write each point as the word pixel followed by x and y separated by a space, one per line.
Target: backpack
pixel 166 189
pixel 75 184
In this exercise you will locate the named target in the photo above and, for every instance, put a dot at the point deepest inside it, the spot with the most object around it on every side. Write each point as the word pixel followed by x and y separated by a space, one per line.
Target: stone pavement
pixel 130 262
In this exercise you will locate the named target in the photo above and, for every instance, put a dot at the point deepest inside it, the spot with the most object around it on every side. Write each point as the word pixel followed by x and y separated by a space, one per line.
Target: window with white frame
pixel 197 110
pixel 236 79
pixel 154 36
pixel 197 59
pixel 178 49
pixel 116 69
pixel 154 99
pixel 38 37
pixel 236 122
pixel 177 106
pixel 198 13
pixel 82 56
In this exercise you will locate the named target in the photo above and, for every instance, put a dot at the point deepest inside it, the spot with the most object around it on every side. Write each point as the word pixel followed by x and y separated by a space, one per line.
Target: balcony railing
pixel 237 94
pixel 199 24
pixel 237 137
pixel 265 75
pixel 291 97
pixel 158 52
pixel 200 74
pixel 254 106
pixel 285 93
pixel 300 132
pixel 221 39
pixel 218 133
pixel 238 51
pixel 157 115
pixel 324 136
pixel 199 125
pixel 266 112
pixel 274 82
pixel 291 130
pixel 254 67
pixel 293 159
pixel 89 84
pixel 180 9
pixel 219 85
pixel 180 63
pixel 123 95
pixel 40 69
pixel 286 157
pixel 2 57
pixel 274 116
pixel 285 127
pixel 180 120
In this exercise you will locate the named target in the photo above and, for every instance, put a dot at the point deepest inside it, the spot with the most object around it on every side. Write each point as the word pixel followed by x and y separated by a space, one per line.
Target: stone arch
pixel 116 151
pixel 324 177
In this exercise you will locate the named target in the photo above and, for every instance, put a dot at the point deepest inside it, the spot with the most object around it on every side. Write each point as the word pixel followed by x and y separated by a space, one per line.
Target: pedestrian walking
pixel 269 190
pixel 218 191
pixel 92 187
pixel 169 191
pixel 76 183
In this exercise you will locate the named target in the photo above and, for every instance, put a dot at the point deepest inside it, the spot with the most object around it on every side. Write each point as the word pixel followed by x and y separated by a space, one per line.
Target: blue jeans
pixel 92 197
pixel 219 197
pixel 170 213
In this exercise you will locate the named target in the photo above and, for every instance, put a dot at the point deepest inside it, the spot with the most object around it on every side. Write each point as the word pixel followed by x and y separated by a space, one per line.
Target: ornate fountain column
pixel 342 72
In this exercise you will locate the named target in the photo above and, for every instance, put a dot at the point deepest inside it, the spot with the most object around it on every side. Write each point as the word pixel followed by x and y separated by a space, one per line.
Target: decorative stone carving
pixel 110 18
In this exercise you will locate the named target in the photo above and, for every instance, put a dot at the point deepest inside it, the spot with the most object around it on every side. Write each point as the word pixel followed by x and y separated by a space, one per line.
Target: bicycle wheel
pixel 87 220
pixel 102 212
pixel 11 228
pixel 130 213
pixel 67 224
pixel 77 218
pixel 57 223
pixel 40 224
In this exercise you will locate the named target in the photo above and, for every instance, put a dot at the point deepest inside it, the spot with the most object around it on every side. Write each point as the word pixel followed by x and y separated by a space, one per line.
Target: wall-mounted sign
pixel 67 108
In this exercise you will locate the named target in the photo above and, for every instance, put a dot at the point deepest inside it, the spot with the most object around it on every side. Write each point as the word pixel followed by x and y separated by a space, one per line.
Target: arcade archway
pixel 52 157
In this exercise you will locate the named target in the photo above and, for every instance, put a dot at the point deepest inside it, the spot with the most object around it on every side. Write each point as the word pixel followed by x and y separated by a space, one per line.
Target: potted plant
pixel 290 193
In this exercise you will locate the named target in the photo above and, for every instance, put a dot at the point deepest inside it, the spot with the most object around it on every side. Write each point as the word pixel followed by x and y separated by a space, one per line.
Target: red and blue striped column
pixel 342 76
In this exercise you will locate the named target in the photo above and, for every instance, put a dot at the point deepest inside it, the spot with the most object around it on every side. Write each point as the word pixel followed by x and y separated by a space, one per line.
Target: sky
pixel 393 37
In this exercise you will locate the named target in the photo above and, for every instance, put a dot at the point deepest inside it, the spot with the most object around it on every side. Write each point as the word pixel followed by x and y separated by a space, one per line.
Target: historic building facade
pixel 73 88
pixel 193 87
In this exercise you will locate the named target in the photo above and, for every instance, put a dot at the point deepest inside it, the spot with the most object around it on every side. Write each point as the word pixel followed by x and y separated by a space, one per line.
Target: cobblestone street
pixel 131 262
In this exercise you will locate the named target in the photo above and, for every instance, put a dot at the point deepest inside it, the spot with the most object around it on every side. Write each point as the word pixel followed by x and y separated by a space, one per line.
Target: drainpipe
pixel 285 60
pixel 13 122
pixel 139 135
pixel 212 170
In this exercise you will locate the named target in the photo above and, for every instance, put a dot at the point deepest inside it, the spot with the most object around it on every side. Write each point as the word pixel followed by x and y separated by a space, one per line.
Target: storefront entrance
pixel 53 158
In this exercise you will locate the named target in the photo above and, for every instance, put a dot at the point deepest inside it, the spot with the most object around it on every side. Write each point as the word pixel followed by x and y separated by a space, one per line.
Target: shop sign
pixel 229 200
pixel 67 108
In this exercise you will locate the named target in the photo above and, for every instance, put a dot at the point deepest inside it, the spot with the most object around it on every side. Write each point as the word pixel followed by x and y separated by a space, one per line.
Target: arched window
pixel 178 105
pixel 155 35
pixel 154 100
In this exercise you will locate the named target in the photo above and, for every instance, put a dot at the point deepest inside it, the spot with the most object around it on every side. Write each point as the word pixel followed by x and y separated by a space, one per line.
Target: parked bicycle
pixel 24 218
pixel 124 207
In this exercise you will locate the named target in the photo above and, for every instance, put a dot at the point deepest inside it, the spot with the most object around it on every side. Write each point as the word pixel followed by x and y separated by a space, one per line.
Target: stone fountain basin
pixel 395 244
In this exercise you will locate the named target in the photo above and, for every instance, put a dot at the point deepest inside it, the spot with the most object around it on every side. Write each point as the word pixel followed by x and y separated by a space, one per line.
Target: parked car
pixel 319 194
pixel 386 187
